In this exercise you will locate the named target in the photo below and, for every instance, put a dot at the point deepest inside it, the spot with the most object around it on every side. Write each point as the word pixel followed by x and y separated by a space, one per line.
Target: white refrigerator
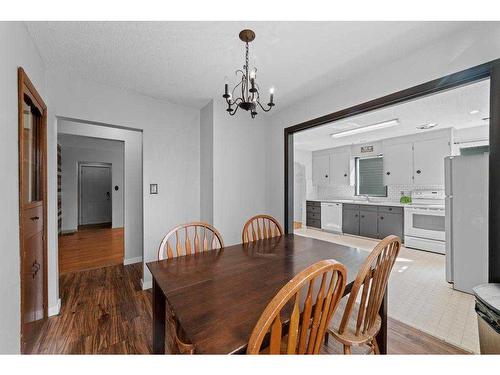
pixel 466 223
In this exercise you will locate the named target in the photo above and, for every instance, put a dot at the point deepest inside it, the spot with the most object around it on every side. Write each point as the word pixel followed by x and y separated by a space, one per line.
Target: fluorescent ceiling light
pixel 474 111
pixel 369 128
pixel 430 125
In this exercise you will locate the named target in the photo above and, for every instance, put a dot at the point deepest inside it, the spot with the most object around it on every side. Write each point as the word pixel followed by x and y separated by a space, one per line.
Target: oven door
pixel 425 223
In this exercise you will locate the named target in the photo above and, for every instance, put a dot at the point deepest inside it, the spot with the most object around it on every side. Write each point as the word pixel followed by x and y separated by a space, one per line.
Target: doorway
pixel 32 209
pixel 94 198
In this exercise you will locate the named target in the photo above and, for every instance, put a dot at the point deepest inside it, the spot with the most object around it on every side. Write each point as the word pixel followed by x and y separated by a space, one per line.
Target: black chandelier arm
pixel 265 110
pixel 234 112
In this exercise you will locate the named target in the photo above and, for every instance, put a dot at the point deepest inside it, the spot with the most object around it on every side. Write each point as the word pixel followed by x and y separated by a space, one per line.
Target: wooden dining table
pixel 217 296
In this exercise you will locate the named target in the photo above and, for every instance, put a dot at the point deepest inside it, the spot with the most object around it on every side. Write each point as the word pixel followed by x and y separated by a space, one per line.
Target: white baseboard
pixel 146 284
pixel 68 231
pixel 132 260
pixel 54 310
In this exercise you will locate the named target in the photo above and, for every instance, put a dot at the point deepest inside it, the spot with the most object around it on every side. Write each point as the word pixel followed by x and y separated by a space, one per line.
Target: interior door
pixel 428 159
pixel 95 194
pixel 398 164
pixel 32 209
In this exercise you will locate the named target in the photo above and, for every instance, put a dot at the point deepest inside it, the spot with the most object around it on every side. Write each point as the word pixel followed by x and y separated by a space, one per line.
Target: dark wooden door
pixel 32 209
pixel 350 221
pixel 389 223
pixel 368 224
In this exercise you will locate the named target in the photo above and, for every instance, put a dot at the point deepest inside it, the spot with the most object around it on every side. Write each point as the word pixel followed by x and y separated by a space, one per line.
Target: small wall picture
pixel 153 188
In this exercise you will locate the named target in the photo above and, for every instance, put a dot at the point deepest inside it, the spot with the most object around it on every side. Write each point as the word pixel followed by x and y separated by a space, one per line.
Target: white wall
pixel 304 157
pixel 459 51
pixel 239 170
pixel 171 150
pixel 207 163
pixel 16 49
pixel 93 151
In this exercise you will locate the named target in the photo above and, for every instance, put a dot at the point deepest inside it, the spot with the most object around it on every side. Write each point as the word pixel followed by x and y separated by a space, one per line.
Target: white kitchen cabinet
pixel 340 169
pixel 398 164
pixel 428 161
pixel 321 169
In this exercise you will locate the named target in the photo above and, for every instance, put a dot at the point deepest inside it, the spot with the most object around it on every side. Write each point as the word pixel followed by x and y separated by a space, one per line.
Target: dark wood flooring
pixel 105 311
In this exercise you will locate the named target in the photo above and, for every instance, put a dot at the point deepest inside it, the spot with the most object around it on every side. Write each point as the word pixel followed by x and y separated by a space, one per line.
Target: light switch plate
pixel 153 188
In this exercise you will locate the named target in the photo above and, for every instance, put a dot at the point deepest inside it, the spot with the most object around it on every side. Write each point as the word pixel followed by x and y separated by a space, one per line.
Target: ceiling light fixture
pixel 430 125
pixel 250 96
pixel 474 112
pixel 379 125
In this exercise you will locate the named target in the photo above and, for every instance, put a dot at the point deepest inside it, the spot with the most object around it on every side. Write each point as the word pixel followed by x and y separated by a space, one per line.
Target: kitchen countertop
pixel 378 203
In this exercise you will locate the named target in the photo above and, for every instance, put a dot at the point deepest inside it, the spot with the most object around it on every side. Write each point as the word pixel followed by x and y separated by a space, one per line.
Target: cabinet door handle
pixel 356 215
pixel 387 173
pixel 419 171
pixel 381 218
pixel 362 215
pixel 326 176
pixel 34 218
pixel 345 174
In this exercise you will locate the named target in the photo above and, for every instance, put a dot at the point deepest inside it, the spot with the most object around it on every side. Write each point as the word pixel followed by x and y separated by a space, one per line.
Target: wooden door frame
pixel 79 185
pixel 26 88
pixel 487 70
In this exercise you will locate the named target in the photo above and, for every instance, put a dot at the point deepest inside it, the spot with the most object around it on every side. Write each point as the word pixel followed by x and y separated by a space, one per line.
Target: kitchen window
pixel 370 176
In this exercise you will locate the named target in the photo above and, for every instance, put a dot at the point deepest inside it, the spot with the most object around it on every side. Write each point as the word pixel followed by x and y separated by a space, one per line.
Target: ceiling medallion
pixel 250 97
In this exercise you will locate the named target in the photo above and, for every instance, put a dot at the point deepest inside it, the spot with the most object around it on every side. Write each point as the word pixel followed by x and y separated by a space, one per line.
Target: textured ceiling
pixel 186 62
pixel 448 109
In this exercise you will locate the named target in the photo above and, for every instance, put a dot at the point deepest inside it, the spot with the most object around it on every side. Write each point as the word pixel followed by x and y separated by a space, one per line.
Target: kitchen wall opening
pixel 418 170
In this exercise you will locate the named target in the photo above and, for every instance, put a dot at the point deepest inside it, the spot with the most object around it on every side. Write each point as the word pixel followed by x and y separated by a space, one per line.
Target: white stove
pixel 425 221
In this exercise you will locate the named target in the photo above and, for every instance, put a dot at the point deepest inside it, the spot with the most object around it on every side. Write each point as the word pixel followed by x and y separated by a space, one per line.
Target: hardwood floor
pixel 90 248
pixel 104 311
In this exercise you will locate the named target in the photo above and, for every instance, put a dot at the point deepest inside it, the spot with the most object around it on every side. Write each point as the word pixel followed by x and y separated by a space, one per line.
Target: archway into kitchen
pixel 417 169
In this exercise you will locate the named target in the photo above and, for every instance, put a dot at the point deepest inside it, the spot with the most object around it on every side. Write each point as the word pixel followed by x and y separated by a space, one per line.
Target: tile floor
pixel 419 294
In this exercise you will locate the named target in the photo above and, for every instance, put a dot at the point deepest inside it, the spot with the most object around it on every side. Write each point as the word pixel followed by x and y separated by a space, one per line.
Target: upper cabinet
pixel 340 170
pixel 428 161
pixel 321 169
pixel 408 160
pixel 398 164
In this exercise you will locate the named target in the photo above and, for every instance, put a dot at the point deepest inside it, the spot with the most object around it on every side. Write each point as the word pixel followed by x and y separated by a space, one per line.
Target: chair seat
pixel 349 336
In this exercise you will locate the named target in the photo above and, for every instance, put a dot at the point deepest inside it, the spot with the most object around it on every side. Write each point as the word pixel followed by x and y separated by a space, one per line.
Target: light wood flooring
pixel 90 248
pixel 105 311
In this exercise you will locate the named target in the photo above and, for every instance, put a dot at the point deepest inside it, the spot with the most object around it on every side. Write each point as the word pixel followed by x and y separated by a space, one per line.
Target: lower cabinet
pixel 313 214
pixel 372 221
pixel 389 223
pixel 368 223
pixel 350 220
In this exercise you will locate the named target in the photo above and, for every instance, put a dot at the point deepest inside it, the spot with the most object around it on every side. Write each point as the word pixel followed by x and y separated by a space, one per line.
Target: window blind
pixel 370 176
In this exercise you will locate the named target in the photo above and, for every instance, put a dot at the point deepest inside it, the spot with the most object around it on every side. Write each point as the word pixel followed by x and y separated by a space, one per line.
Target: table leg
pixel 382 335
pixel 158 319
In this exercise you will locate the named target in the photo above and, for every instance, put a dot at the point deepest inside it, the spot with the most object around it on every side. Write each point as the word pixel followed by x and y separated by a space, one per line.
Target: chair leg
pixel 347 349
pixel 326 338
pixel 375 346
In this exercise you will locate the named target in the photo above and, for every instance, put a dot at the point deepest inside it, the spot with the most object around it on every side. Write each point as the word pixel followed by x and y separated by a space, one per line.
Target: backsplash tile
pixel 393 191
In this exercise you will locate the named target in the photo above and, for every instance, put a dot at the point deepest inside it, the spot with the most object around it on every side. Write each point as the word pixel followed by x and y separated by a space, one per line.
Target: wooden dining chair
pixel 185 240
pixel 305 316
pixel 358 323
pixel 188 239
pixel 261 227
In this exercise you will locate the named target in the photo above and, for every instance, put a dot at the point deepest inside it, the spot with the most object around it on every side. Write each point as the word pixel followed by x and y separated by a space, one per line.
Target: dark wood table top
pixel 219 295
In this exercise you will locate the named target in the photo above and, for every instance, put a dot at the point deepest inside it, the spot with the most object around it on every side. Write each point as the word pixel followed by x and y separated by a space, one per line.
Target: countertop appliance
pixel 331 217
pixel 425 221
pixel 466 188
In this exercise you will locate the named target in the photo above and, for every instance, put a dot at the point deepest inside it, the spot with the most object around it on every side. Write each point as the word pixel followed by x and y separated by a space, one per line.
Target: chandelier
pixel 250 96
